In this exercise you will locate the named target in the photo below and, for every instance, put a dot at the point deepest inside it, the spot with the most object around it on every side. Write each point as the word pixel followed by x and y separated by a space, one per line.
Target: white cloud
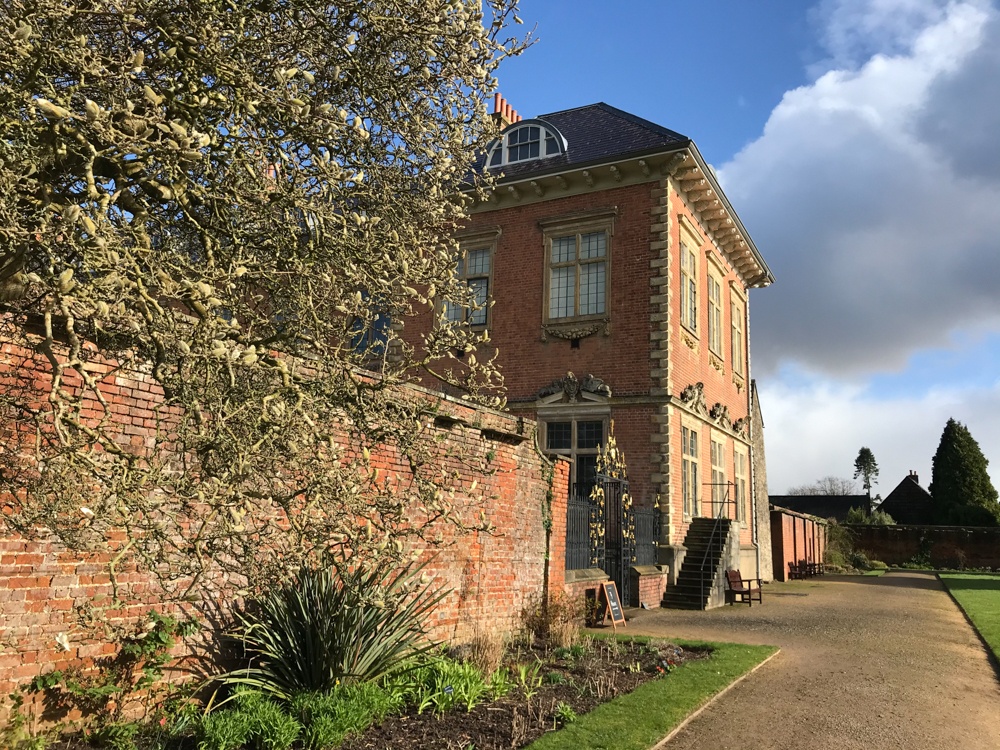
pixel 816 430
pixel 877 215
pixel 874 195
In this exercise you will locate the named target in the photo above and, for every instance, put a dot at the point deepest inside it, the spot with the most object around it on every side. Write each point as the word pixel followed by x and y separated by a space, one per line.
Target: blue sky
pixel 859 140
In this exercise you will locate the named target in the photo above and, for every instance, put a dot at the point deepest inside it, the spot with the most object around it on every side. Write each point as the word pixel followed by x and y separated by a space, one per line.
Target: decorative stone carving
pixel 694 397
pixel 571 387
pixel 720 415
pixel 690 342
pixel 580 331
pixel 742 426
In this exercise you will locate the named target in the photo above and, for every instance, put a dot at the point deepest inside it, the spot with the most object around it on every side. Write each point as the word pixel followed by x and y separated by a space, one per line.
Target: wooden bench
pixel 797 571
pixel 738 587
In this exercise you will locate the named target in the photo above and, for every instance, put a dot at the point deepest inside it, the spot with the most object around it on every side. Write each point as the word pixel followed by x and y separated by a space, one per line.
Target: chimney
pixel 503 113
pixel 913 476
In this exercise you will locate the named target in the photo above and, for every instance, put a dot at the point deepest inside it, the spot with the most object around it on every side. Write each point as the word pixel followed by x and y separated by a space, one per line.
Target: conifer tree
pixel 866 468
pixel 961 487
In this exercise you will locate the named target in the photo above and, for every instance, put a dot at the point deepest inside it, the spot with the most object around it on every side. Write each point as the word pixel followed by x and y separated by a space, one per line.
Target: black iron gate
pixel 604 530
pixel 619 534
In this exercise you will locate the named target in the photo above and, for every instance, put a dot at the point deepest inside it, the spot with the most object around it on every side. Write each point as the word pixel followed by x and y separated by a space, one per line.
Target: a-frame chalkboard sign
pixel 613 605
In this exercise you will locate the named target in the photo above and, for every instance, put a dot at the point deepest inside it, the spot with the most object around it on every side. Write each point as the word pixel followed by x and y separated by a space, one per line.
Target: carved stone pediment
pixel 720 415
pixel 694 397
pixel 742 426
pixel 572 388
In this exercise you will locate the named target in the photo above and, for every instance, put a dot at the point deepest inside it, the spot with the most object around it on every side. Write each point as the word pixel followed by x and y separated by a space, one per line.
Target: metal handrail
pixel 720 514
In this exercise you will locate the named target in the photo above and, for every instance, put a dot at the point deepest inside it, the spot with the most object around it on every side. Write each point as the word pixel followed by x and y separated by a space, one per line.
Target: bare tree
pixel 826 486
pixel 240 203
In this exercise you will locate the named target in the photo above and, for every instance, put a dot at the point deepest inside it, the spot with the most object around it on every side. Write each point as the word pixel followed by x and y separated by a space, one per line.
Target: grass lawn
pixel 979 596
pixel 642 718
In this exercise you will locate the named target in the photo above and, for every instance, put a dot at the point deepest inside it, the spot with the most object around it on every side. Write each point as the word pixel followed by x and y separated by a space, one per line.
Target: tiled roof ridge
pixel 634 119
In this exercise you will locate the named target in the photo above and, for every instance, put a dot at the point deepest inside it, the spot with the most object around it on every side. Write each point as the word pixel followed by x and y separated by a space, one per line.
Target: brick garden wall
pixel 47 590
pixel 944 546
pixel 795 537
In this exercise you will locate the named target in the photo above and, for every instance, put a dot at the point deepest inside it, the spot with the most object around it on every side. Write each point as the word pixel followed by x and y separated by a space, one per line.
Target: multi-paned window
pixel 738 345
pixel 524 144
pixel 579 439
pixel 474 266
pixel 740 484
pixel 689 288
pixel 689 471
pixel 718 477
pixel 578 275
pixel 714 315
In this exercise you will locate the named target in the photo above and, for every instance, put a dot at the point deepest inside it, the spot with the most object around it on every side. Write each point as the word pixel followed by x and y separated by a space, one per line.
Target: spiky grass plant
pixel 333 624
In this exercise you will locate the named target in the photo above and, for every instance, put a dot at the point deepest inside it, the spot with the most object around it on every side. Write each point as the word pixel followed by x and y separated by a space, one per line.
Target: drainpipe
pixel 750 401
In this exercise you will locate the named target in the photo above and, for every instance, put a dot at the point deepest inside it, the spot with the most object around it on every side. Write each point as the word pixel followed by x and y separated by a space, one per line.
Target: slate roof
pixel 824 506
pixel 909 503
pixel 598 133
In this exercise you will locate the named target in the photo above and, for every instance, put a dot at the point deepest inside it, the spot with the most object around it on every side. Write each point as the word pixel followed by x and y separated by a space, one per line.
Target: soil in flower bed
pixel 570 685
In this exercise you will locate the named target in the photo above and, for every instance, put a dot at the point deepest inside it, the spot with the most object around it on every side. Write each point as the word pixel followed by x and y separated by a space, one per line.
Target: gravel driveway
pixel 865 662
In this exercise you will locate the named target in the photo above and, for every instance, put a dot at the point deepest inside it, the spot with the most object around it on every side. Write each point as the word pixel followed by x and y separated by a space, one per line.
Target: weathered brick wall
pixel 762 504
pixel 945 546
pixel 795 537
pixel 649 585
pixel 50 594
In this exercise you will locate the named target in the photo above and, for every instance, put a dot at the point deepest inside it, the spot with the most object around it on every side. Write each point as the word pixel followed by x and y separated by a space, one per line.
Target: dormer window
pixel 526 141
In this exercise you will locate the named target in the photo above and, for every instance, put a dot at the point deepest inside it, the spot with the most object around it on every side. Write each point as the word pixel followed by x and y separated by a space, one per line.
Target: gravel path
pixel 865 662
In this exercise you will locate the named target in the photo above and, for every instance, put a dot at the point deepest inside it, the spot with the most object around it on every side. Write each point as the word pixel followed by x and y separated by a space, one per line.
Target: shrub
pixel 875 518
pixel 328 718
pixel 557 621
pixel 325 626
pixel 224 730
pixel 486 650
pixel 859 560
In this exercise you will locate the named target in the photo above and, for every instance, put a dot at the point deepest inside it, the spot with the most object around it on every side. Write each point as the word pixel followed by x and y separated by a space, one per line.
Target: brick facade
pixel 639 348
pixel 48 592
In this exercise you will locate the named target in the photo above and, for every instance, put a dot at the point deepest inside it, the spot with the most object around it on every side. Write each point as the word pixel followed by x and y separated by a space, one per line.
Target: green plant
pixel 16 733
pixel 326 626
pixel 564 713
pixel 223 730
pixel 441 683
pixel 270 727
pixel 134 671
pixel 555 678
pixel 859 560
pixel 529 679
pixel 500 684
pixel 328 718
pixel 115 736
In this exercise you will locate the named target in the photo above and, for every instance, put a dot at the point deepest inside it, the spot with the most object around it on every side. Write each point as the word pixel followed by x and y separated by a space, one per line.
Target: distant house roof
pixel 824 506
pixel 909 503
pixel 597 133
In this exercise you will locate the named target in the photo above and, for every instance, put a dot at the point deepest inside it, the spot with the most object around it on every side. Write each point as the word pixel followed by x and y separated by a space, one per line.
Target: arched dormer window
pixel 526 141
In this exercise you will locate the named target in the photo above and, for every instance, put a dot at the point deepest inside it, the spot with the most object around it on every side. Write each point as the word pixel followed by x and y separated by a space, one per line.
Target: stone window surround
pixel 578 326
pixel 479 239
